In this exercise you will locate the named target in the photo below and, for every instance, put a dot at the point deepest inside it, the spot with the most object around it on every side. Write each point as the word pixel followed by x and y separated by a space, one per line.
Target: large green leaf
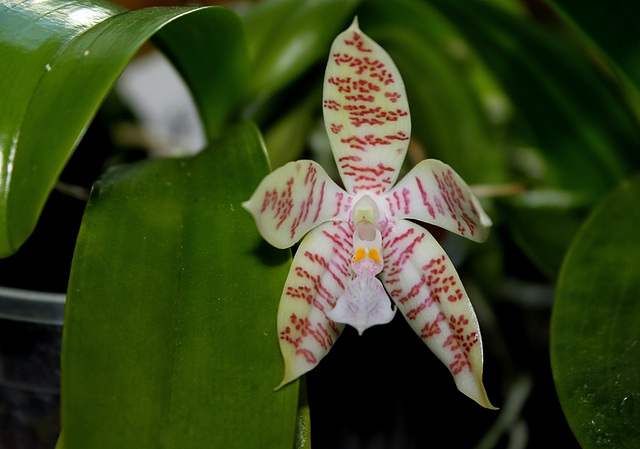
pixel 169 336
pixel 60 59
pixel 595 333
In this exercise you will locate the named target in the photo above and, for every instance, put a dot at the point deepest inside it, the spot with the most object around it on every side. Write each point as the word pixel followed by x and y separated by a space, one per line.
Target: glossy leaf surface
pixel 595 332
pixel 59 61
pixel 170 331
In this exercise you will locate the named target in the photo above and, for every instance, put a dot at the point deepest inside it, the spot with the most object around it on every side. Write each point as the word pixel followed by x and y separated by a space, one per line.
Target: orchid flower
pixel 359 247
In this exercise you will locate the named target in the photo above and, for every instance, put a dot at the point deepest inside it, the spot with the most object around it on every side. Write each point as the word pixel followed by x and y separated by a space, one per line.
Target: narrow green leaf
pixel 60 59
pixel 30 36
pixel 594 331
pixel 606 30
pixel 169 337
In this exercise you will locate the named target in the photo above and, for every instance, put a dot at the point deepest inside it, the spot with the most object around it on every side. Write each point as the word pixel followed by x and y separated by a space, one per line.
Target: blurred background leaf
pixel 617 41
pixel 572 128
pixel 563 105
pixel 288 42
pixel 48 103
pixel 287 37
pixel 543 223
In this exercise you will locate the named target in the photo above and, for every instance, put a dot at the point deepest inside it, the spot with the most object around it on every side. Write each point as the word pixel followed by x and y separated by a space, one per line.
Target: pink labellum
pixel 366 113
pixel 294 199
pixel 318 276
pixel 425 286
pixel 432 192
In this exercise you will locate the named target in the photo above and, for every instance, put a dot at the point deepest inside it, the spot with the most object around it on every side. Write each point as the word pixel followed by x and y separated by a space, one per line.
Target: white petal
pixel 425 286
pixel 294 199
pixel 434 193
pixel 366 113
pixel 318 276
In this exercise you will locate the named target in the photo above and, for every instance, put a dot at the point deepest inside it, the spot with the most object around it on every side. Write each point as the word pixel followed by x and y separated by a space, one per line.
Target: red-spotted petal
pixel 425 286
pixel 432 192
pixel 294 199
pixel 366 113
pixel 318 276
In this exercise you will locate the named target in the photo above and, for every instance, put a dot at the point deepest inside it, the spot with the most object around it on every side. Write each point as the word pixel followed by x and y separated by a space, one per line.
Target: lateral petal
pixel 434 193
pixel 293 199
pixel 318 276
pixel 425 286
pixel 366 113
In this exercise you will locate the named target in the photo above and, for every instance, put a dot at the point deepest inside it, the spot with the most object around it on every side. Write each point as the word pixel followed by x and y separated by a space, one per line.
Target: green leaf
pixel 594 330
pixel 170 337
pixel 59 61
